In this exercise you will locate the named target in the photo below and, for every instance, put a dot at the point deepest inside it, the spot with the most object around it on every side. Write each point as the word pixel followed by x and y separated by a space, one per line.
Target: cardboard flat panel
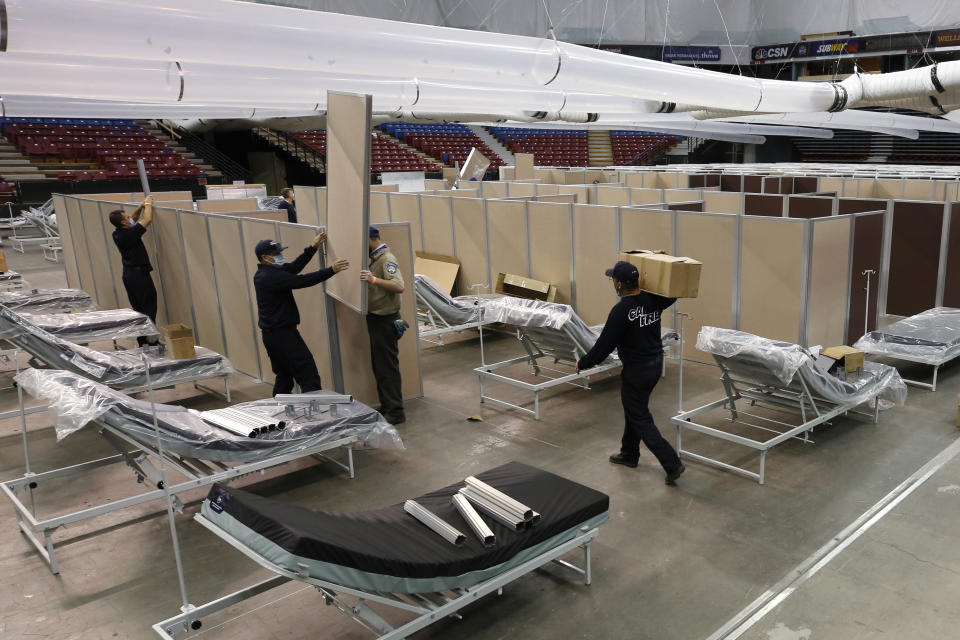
pixel 633 179
pixel 645 229
pixel 494 189
pixel 311 301
pixel 379 211
pixel 436 216
pixel 202 281
pixel 355 341
pixel 169 265
pixel 405 207
pixel 914 257
pixel 917 190
pixel 711 239
pixel 235 284
pixel 763 205
pixel 66 240
pixel 470 234
pixel 102 286
pixel 595 250
pixel 951 287
pixel 827 311
pixel 432 184
pixel 348 191
pixel 721 202
pixel 771 276
pixel 224 206
pixel 809 207
pixel 566 199
pixel 867 253
pixel 507 227
pixel 866 187
pixel 524 166
pixel 551 259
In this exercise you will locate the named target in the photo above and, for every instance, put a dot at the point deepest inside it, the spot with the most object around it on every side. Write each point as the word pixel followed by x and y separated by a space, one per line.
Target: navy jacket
pixel 132 252
pixel 633 329
pixel 291 210
pixel 274 286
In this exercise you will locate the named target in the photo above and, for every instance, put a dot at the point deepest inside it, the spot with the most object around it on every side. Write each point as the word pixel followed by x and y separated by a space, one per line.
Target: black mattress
pixel 390 542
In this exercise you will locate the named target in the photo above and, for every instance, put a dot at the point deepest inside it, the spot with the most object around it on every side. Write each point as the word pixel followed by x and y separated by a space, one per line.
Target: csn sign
pixel 771 53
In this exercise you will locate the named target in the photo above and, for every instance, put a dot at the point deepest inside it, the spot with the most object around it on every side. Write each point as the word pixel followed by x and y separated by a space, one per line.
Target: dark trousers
pixel 384 356
pixel 290 359
pixel 142 295
pixel 638 381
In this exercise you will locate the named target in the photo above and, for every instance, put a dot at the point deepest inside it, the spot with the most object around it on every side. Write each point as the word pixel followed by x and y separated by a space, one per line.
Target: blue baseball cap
pixel 623 272
pixel 268 248
pixel 374 232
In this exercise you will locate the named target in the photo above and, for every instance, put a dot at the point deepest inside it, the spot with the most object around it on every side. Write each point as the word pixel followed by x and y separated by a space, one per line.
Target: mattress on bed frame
pixel 935 333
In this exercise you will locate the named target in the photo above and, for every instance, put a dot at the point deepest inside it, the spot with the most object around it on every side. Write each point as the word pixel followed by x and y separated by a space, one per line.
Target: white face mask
pixel 278 260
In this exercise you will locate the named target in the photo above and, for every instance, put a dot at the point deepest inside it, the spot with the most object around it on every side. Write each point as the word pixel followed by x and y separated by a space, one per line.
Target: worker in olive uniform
pixel 274 282
pixel 633 329
pixel 385 326
pixel 128 236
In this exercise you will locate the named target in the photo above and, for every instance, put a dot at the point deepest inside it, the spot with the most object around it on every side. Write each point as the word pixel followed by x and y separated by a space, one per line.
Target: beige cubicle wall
pixel 470 243
pixel 507 238
pixel 595 250
pixel 829 279
pixel 223 206
pixel 550 227
pixel 202 281
pixel 493 189
pixel 379 208
pixel 63 226
pixel 311 205
pixel 722 202
pixel 645 229
pixel 405 207
pixel 92 216
pixel 436 219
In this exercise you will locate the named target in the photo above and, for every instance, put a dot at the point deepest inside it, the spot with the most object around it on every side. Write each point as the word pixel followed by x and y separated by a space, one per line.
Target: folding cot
pixel 441 313
pixel 147 436
pixel 547 330
pixel 92 326
pixel 931 337
pixel 783 376
pixel 40 300
pixel 387 558
pixel 45 221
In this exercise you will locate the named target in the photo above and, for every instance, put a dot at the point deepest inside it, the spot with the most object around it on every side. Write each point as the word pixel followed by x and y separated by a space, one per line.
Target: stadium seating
pixel 449 143
pixel 640 147
pixel 550 147
pixel 385 154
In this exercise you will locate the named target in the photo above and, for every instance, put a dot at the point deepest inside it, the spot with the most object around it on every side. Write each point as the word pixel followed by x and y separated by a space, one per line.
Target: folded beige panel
pixel 224 206
pixel 550 248
pixel 470 234
pixel 436 216
pixel 66 240
pixel 207 311
pixel 236 294
pixel 595 250
pixel 348 191
pixel 507 227
pixel 405 207
pixel 771 277
pixel 827 311
pixel 169 265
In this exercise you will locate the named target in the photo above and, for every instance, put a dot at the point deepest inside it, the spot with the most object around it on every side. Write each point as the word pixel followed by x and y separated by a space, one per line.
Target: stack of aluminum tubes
pixel 437 525
pixel 499 505
pixel 479 527
pixel 242 423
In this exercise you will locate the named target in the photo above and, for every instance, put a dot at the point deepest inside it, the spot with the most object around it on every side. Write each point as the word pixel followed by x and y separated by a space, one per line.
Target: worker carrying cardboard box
pixel 633 329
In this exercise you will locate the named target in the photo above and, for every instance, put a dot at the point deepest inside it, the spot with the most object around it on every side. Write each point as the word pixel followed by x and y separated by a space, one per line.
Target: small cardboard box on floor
pixel 665 275
pixel 178 339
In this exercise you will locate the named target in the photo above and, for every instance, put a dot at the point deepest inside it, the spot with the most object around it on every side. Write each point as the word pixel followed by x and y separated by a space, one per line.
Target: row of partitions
pixel 203 271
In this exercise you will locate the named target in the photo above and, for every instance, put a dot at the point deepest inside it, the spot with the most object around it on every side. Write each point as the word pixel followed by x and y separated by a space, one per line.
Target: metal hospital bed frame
pixel 744 380
pixel 434 323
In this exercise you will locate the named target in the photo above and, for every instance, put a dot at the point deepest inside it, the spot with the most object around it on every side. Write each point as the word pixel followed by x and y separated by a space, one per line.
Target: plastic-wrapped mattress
pixel 91 326
pixel 387 550
pixel 114 368
pixel 785 365
pixel 455 311
pixel 40 300
pixel 77 401
pixel 931 337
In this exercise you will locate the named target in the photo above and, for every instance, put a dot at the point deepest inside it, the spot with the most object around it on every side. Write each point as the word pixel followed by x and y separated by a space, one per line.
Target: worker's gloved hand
pixel 341 265
pixel 319 240
pixel 401 326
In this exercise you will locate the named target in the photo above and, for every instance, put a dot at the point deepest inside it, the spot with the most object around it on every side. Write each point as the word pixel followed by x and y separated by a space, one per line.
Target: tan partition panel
pixel 207 328
pixel 470 235
pixel 917 190
pixel 508 173
pixel 642 195
pixel 308 208
pixel 521 189
pixel 566 199
pixel 355 341
pixel 866 187
pixel 66 240
pixel 169 265
pixel 613 196
pixel 524 166
pixel 547 189
pixel 507 228
pixel 252 231
pixel 595 249
pixel 645 229
pixel 379 209
pixel 116 197
pixel 384 188
pixel 322 205
pixel 681 180
pixel 223 206
pixel 578 190
pixel 164 196
pixel 889 188
pixel 830 262
pixel 633 179
pixel 81 252
pixel 722 202
pixel 234 282
pixel 459 193
pixel 831 184
pixel 434 183
pixel 682 195
pixel 312 302
pixel 551 259
pixel 348 191
pixel 711 239
pixel 405 207
pixel 493 189
pixel 100 268
pixel 436 216
pixel 771 277
pixel 265 214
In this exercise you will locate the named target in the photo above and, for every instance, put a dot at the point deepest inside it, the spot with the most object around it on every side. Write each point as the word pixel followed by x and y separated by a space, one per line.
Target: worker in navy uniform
pixel 633 329
pixel 274 282
pixel 385 326
pixel 288 205
pixel 128 236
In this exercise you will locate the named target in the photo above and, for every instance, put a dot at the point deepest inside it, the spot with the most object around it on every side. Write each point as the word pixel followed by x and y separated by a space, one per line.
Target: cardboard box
pixel 3 263
pixel 665 275
pixel 178 339
pixel 850 358
pixel 440 268
pixel 523 287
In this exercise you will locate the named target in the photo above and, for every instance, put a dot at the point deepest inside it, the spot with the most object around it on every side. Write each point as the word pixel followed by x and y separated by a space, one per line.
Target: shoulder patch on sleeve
pixel 391 268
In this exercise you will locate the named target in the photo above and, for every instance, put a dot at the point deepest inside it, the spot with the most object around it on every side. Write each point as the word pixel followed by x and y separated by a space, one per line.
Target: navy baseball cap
pixel 268 248
pixel 374 232
pixel 623 272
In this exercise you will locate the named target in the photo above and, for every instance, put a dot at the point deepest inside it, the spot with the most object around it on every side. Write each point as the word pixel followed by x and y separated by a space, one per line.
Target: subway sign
pixel 815 49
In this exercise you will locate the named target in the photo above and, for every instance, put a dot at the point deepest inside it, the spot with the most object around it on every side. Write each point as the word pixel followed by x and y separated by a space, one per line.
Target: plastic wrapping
pixel 77 401
pixel 265 203
pixel 749 356
pixel 10 276
pixel 40 300
pixel 14 222
pixel 455 311
pixel 116 368
pixel 529 313
pixel 91 326
pixel 931 337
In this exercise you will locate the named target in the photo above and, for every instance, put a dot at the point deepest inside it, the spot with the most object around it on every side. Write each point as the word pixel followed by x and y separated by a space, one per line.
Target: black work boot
pixel 619 458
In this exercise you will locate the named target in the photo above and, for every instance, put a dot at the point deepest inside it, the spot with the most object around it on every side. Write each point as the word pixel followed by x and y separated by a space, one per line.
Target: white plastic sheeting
pixel 931 337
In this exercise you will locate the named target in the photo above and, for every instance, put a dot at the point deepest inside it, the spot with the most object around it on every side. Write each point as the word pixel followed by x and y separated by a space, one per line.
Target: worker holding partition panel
pixel 274 283
pixel 128 236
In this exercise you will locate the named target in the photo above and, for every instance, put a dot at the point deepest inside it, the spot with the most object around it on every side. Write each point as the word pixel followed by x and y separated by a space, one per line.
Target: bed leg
pixel 350 460
pixel 763 464
pixel 933 387
pixel 51 554
pixel 587 569
pixel 536 405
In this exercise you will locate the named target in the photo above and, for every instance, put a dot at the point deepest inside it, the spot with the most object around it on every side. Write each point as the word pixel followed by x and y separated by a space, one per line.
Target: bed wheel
pixel 32 485
pixel 160 485
pixel 196 624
